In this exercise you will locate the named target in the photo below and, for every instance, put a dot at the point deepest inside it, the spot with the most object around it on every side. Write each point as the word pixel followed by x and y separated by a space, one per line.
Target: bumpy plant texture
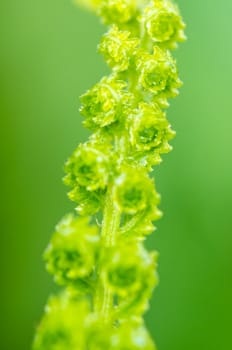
pixel 98 254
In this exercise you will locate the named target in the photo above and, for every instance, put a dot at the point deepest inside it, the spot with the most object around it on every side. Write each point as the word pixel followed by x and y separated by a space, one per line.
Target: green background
pixel 47 59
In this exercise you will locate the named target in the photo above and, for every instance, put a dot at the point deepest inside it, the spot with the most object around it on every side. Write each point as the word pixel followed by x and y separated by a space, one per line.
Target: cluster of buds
pixel 98 254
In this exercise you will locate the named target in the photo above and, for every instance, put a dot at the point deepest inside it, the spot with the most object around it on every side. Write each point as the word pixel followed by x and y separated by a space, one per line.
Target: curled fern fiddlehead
pixel 98 254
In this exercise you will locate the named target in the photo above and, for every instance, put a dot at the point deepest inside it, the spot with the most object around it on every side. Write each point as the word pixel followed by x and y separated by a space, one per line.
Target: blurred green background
pixel 47 59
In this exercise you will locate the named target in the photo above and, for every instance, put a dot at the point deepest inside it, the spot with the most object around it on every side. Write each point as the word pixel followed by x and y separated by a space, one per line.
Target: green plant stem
pixel 111 220
pixel 110 225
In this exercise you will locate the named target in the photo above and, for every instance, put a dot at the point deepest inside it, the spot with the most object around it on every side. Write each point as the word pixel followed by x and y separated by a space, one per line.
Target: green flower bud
pixel 72 251
pixel 134 191
pixel 102 105
pixel 118 49
pixel 164 23
pixel 140 225
pixel 87 167
pixel 89 202
pixel 127 267
pixel 62 326
pixel 117 11
pixel 158 73
pixel 150 128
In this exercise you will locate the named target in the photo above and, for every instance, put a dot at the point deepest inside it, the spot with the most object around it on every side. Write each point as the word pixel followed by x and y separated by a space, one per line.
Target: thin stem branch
pixel 110 226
